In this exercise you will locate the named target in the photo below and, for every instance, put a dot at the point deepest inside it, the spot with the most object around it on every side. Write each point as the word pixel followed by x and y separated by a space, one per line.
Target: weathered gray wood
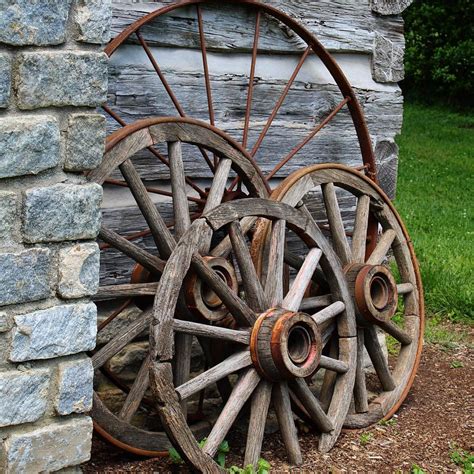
pixel 383 246
pixel 212 332
pixel 404 288
pixel 229 366
pixel 274 283
pixel 258 418
pixel 398 333
pixel 299 286
pixel 390 7
pixel 125 291
pixel 378 359
pixel 250 281
pixel 312 405
pixel 361 404
pixel 329 313
pixel 359 236
pixel 315 302
pixel 333 364
pixel 242 391
pixel 282 405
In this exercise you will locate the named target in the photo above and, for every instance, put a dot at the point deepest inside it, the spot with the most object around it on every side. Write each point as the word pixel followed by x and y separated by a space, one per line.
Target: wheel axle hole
pixel 299 344
pixel 209 297
pixel 379 292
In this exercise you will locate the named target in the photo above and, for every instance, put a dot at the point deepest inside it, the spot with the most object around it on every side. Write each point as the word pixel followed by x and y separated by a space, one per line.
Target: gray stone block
pixel 49 448
pixel 25 276
pixel 29 145
pixel 62 212
pixel 93 19
pixel 8 217
pixel 5 80
pixel 48 79
pixel 33 22
pixel 5 322
pixel 85 142
pixel 79 270
pixel 24 396
pixel 75 387
pixel 54 332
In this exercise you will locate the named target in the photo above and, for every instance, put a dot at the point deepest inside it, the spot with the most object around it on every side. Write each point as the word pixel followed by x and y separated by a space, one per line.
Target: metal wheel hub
pixel 285 345
pixel 374 290
pixel 204 302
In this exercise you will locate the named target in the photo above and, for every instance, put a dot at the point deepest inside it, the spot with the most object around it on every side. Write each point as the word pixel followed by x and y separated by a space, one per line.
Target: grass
pixel 436 201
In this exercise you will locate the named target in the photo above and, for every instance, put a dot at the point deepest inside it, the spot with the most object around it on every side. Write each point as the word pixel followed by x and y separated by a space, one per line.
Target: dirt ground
pixel 436 420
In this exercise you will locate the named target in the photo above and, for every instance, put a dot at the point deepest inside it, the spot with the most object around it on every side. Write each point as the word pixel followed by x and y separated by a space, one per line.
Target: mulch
pixel 436 419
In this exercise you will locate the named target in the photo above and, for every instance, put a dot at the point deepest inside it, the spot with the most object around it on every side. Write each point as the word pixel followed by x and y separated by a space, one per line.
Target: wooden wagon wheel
pixel 121 148
pixel 274 347
pixel 192 17
pixel 383 278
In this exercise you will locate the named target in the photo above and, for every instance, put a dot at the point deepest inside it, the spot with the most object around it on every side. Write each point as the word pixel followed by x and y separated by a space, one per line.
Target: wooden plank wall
pixel 366 39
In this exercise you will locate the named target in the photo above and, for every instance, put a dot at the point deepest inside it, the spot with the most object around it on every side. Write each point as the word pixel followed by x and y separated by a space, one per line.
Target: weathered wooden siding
pixel 366 39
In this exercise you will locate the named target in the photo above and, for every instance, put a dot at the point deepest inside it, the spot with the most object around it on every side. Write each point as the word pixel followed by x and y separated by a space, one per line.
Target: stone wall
pixel 53 75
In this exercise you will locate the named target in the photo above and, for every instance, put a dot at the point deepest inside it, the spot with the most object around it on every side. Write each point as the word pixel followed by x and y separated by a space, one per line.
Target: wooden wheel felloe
pixel 383 278
pixel 273 355
pixel 148 258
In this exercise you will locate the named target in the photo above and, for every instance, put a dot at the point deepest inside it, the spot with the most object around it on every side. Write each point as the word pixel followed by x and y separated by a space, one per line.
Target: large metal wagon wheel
pixel 120 426
pixel 383 278
pixel 273 341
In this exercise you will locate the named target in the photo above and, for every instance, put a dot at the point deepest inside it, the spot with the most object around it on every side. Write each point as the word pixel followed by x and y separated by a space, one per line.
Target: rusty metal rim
pixel 281 190
pixel 355 108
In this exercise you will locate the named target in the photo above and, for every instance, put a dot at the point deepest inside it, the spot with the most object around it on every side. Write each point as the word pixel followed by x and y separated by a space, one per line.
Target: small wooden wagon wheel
pixel 383 278
pixel 276 341
pixel 149 262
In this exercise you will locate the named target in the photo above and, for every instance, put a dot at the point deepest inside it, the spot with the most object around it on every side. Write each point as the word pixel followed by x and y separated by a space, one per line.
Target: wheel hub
pixel 374 290
pixel 285 345
pixel 204 302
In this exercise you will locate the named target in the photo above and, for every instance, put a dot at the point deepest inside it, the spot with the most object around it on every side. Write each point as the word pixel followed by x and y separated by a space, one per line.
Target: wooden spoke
pixel 329 313
pixel 137 392
pixel 327 332
pixel 378 359
pixel 333 364
pixel 258 419
pixel 161 234
pixel 296 262
pixel 224 248
pixel 212 332
pixel 232 364
pixel 359 237
pixel 124 337
pixel 329 380
pixel 234 304
pixel 149 261
pixel 404 288
pixel 398 333
pixel 298 289
pixel 306 140
pixel 315 302
pixel 240 394
pixel 218 184
pixel 250 281
pixel 361 403
pixel 380 252
pixel 338 232
pixel 280 102
pixel 312 405
pixel 178 186
pixel 113 292
pixel 274 283
pixel 251 80
pixel 282 404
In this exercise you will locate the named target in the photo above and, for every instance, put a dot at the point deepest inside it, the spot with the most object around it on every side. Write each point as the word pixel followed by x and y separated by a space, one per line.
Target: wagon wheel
pixel 383 278
pixel 277 348
pixel 149 257
pixel 253 135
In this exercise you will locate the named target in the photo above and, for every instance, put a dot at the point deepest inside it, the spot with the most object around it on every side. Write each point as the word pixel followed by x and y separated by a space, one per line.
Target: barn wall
pixel 365 38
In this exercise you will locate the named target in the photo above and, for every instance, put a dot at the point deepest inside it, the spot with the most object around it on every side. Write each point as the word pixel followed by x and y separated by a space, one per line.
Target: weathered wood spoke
pixel 298 289
pixel 212 332
pixel 329 313
pixel 114 292
pixel 360 390
pixel 274 283
pixel 404 288
pixel 315 302
pixel 383 246
pixel 240 394
pixel 333 364
pixel 336 224
pixel 359 237
pixel 398 333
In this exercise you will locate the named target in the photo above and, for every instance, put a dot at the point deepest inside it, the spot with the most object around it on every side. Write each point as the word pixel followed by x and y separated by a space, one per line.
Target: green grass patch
pixel 436 201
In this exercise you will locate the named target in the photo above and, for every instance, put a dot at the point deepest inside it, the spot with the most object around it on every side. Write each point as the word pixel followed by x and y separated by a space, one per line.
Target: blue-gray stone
pixel 25 276
pixel 57 79
pixel 93 19
pixel 8 217
pixel 62 212
pixel 33 22
pixel 28 145
pixel 54 332
pixel 5 80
